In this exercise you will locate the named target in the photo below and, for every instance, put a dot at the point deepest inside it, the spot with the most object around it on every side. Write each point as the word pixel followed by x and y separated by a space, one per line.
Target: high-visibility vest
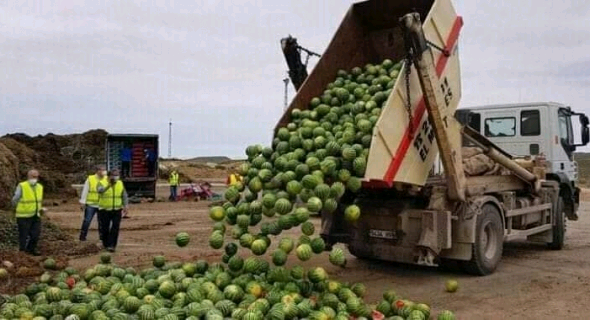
pixel 31 200
pixel 93 196
pixel 232 179
pixel 173 179
pixel 112 198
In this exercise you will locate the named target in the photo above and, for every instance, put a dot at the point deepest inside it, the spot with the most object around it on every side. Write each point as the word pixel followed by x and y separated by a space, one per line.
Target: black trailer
pixel 136 157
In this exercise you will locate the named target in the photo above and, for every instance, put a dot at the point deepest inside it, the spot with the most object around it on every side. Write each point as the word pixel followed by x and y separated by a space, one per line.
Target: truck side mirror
pixel 585 134
pixel 584 120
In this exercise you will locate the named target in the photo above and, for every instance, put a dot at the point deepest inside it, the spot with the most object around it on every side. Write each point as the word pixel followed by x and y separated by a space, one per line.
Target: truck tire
pixel 489 240
pixel 559 227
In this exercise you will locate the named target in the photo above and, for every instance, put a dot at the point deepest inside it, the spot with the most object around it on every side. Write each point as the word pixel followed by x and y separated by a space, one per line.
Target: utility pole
pixel 286 81
pixel 170 139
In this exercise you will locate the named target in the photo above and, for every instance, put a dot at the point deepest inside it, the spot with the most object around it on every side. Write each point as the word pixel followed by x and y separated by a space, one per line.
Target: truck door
pixel 563 151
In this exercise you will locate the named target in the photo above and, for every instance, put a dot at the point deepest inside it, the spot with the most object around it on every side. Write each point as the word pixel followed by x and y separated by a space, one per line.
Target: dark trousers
pixel 89 213
pixel 111 221
pixel 151 166
pixel 29 230
pixel 173 192
pixel 125 168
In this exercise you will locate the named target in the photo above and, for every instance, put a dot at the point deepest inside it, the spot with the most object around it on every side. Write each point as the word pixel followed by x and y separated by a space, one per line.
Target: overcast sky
pixel 215 67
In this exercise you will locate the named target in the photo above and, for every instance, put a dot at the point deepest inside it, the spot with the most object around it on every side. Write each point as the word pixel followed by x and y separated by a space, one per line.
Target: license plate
pixel 383 234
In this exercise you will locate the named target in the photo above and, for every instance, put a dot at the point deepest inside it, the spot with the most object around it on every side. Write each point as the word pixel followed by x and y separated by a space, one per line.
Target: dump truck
pixel 139 174
pixel 407 214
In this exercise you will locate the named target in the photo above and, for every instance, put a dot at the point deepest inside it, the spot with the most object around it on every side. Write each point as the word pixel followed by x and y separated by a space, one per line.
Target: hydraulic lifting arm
pixel 297 69
pixel 445 126
pixel 440 119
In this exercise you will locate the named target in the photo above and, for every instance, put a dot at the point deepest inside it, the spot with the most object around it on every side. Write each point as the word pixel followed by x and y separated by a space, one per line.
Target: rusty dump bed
pixel 370 33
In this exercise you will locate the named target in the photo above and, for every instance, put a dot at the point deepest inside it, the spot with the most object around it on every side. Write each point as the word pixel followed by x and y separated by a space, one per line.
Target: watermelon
pixel 317 275
pixel 337 257
pixel 279 257
pixel 283 206
pixel 451 285
pixel 301 215
pixel 294 187
pixel 446 315
pixel 258 247
pixel 235 263
pixel 268 200
pixel 286 245
pixel 105 258
pixel 354 184
pixel 232 194
pixel 330 205
pixel 310 181
pixel 314 204
pixel 318 245
pixel 307 228
pixel 352 213
pixel 304 252
pixel 49 264
pixel 183 238
pixel 217 213
pixel 216 240
pixel 322 191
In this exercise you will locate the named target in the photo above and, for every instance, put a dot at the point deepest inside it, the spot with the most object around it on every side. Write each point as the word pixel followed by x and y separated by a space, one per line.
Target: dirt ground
pixel 531 282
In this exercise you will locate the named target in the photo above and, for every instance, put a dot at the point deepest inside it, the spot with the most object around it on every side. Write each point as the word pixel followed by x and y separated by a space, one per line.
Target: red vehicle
pixel 201 191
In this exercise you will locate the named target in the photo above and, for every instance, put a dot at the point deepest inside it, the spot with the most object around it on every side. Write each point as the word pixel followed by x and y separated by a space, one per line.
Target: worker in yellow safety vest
pixel 173 180
pixel 28 199
pixel 89 200
pixel 112 205
pixel 233 178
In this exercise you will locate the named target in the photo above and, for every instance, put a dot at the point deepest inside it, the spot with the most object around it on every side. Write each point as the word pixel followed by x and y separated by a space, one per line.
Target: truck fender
pixel 569 193
pixel 565 185
pixel 465 227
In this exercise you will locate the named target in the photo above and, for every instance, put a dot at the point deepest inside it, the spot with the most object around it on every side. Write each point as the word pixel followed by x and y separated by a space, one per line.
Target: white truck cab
pixel 539 128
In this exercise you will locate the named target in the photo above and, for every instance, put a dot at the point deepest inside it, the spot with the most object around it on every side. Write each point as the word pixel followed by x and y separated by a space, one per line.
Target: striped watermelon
pixel 307 228
pixel 318 245
pixel 337 257
pixel 258 247
pixel 283 206
pixel 352 213
pixel 286 245
pixel 314 204
pixel 216 240
pixel 330 205
pixel 446 315
pixel 182 239
pixel 304 252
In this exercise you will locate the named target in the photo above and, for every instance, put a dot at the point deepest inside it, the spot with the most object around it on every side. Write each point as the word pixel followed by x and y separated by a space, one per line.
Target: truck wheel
pixel 559 227
pixel 489 240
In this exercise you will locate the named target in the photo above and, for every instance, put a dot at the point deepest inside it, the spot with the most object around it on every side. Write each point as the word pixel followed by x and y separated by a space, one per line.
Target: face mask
pixel 104 173
pixel 33 181
pixel 115 178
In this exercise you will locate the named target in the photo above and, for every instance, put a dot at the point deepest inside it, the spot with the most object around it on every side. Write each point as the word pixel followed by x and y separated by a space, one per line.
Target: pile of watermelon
pixel 319 157
pixel 197 290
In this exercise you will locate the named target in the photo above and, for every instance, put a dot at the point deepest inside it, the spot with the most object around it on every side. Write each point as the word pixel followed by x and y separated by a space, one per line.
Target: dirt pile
pixel 24 268
pixel 9 174
pixel 61 160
